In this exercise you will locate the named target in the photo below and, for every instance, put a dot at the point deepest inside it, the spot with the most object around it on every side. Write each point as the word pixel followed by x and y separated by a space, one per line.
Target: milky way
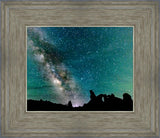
pixel 64 63
pixel 51 65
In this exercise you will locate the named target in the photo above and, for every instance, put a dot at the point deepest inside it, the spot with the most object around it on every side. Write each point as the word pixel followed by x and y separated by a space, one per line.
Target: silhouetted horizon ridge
pixel 101 102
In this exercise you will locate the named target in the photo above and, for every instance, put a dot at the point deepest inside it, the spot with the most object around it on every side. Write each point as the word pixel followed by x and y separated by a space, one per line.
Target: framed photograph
pixel 64 64
pixel 80 69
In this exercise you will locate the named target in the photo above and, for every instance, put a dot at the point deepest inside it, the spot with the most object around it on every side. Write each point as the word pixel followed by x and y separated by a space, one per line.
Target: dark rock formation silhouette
pixel 101 102
pixel 92 95
pixel 70 105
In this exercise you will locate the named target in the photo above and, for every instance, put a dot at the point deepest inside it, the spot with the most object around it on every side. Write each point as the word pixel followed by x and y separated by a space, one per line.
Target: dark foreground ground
pixel 101 102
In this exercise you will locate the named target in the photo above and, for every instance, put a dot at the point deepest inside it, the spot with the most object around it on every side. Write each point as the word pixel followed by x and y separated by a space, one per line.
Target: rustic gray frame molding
pixel 143 121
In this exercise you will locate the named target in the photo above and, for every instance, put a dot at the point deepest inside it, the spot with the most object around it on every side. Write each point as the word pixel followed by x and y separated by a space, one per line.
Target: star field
pixel 64 63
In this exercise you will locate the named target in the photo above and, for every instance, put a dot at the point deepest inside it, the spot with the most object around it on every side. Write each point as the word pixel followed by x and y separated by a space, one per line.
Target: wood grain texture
pixel 143 16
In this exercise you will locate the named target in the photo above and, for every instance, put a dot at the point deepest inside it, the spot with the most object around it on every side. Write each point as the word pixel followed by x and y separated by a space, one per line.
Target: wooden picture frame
pixel 143 121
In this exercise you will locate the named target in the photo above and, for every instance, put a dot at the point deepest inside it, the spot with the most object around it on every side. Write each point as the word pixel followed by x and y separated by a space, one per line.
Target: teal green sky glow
pixel 64 63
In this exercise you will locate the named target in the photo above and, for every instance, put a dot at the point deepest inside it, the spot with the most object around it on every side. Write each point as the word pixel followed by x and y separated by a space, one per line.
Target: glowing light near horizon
pixel 76 105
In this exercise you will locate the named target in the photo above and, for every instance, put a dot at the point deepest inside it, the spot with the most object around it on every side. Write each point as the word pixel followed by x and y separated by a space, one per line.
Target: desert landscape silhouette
pixel 101 102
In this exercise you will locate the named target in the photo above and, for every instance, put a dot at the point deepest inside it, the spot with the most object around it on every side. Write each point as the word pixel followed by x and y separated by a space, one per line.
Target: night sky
pixel 64 63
